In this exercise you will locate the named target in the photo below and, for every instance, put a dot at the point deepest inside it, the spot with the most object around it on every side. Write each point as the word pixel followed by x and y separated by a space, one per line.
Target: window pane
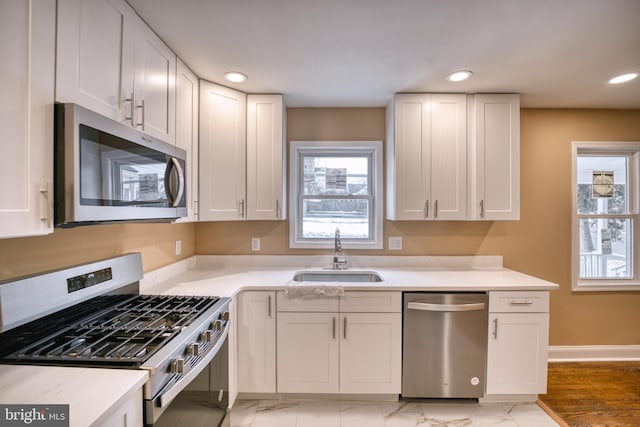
pixel 336 175
pixel 321 218
pixel 603 197
pixel 605 248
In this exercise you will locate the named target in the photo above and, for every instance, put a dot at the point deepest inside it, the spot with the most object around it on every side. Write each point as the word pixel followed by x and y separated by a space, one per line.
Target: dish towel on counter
pixel 315 290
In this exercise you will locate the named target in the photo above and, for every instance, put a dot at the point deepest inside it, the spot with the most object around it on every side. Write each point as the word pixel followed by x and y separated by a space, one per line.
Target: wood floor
pixel 594 393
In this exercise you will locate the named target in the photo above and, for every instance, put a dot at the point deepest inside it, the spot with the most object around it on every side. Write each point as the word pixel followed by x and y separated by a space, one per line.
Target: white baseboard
pixel 592 353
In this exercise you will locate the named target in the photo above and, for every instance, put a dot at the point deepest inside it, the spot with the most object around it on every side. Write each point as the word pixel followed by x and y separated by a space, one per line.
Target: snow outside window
pixel 336 185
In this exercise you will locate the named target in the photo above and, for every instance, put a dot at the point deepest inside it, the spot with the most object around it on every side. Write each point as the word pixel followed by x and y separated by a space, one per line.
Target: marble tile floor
pixel 308 413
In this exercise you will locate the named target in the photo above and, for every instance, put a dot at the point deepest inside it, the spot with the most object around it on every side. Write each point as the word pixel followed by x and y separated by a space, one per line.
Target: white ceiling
pixel 357 53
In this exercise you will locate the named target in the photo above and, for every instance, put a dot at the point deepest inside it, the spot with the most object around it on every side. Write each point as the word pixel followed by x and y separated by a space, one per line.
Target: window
pixel 336 185
pixel 606 256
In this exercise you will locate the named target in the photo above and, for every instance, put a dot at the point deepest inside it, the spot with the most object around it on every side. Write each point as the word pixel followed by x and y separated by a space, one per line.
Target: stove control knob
pixel 177 366
pixel 206 336
pixel 225 315
pixel 217 325
pixel 193 349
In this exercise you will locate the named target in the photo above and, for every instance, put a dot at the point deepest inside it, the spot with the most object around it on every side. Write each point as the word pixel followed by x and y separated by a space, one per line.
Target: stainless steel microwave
pixel 106 171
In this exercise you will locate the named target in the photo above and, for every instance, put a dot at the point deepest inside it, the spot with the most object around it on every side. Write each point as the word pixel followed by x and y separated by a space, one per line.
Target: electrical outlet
pixel 255 243
pixel 395 243
pixel 178 247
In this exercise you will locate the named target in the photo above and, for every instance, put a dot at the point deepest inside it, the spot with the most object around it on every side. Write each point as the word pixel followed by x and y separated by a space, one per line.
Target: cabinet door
pixel 257 342
pixel 448 166
pixel 370 353
pixel 265 157
pixel 154 84
pixel 409 158
pixel 95 56
pixel 307 352
pixel 222 153
pixel 187 132
pixel 495 158
pixel 517 353
pixel 126 414
pixel 26 117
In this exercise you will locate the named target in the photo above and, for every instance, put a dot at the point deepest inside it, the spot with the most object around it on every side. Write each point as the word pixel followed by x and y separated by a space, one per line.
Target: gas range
pixel 92 315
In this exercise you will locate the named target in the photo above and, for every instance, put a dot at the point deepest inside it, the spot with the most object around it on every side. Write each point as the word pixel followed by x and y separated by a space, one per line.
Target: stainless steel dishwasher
pixel 444 345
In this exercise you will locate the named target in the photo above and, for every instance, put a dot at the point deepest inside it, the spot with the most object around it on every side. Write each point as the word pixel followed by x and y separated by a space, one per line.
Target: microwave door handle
pixel 174 164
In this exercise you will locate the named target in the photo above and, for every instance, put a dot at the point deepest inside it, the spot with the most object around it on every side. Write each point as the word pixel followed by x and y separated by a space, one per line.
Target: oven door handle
pixel 167 394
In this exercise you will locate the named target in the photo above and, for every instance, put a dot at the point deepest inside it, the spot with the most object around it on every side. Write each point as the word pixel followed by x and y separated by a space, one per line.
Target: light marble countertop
pixel 91 393
pixel 226 275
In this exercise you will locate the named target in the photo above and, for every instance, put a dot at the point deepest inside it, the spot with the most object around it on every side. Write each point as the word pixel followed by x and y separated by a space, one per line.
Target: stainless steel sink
pixel 337 276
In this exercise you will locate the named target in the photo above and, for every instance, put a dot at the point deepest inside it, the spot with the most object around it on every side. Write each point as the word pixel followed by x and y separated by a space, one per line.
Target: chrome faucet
pixel 339 257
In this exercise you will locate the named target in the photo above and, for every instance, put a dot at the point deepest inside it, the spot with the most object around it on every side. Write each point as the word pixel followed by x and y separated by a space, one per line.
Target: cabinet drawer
pixel 371 302
pixel 317 304
pixel 523 302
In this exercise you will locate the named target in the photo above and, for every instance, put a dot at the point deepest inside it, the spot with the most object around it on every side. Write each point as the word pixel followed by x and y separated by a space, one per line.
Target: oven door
pixel 203 399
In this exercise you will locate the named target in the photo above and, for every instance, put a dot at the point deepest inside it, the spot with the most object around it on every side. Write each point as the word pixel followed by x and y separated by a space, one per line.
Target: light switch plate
pixel 178 247
pixel 395 243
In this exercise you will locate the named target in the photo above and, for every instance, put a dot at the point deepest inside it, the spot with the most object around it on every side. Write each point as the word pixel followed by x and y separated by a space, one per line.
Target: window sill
pixel 606 285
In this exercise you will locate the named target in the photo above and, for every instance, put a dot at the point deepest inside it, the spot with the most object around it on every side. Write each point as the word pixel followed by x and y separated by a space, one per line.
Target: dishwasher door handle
pixel 425 306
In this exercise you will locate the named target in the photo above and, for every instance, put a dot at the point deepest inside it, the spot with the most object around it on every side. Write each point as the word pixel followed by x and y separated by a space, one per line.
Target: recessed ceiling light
pixel 623 78
pixel 459 76
pixel 235 77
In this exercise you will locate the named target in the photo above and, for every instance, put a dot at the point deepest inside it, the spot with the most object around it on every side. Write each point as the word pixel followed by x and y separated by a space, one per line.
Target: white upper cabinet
pixel 242 155
pixel 427 157
pixel 26 117
pixel 154 84
pixel 110 61
pixel 95 55
pixel 266 190
pixel 495 158
pixel 187 132
pixel 222 153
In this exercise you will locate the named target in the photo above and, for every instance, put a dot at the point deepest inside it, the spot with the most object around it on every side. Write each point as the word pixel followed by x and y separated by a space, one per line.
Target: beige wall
pixel 66 247
pixel 538 244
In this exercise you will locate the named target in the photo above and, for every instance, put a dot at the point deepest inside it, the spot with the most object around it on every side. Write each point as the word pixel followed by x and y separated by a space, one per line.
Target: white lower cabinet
pixel 335 352
pixel 256 333
pixel 517 353
pixel 308 353
pixel 127 414
pixel 370 353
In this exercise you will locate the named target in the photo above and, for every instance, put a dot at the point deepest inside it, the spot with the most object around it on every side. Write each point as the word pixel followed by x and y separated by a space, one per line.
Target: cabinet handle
pixel 345 328
pixel 481 208
pixel 277 208
pixel 141 107
pixel 47 193
pixel 131 117
pixel 426 209
pixel 269 303
pixel 333 333
pixel 495 328
pixel 435 210
pixel 242 209
pixel 521 303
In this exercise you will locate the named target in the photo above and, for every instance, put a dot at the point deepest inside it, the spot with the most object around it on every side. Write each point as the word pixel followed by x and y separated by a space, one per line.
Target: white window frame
pixel 631 149
pixel 364 148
